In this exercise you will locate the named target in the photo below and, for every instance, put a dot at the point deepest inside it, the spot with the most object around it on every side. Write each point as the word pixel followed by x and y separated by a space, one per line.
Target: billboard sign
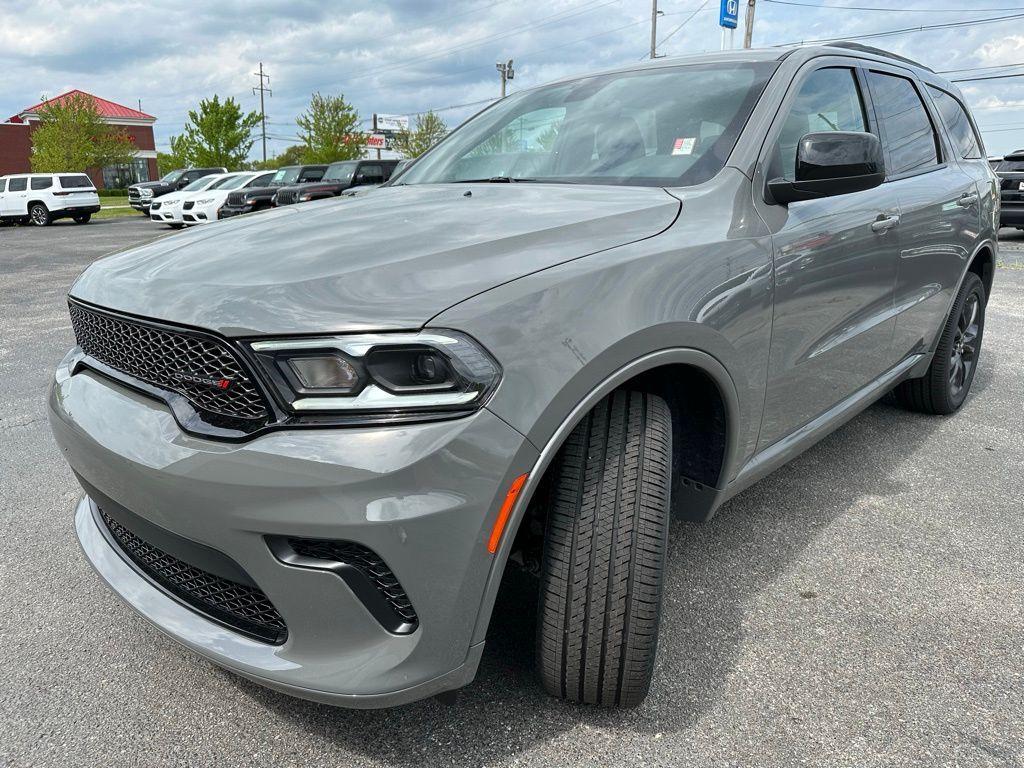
pixel 729 14
pixel 375 141
pixel 392 122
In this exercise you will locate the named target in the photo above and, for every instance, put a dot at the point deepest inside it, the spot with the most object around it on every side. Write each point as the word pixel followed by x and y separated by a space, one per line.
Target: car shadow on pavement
pixel 716 572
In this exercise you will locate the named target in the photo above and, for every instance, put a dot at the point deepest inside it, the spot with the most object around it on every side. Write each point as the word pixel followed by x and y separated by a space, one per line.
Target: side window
pixel 371 174
pixel 965 140
pixel 908 133
pixel 311 174
pixel 42 182
pixel 18 185
pixel 3 184
pixel 829 100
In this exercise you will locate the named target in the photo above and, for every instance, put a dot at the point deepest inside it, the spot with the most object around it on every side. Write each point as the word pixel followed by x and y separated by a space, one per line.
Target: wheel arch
pixel 651 372
pixel 983 264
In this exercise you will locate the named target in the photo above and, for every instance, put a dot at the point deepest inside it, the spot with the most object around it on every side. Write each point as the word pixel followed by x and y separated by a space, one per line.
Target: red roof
pixel 108 109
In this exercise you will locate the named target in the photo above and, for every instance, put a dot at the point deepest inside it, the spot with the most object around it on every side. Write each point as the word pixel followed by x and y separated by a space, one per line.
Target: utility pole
pixel 654 13
pixel 261 88
pixel 748 24
pixel 507 73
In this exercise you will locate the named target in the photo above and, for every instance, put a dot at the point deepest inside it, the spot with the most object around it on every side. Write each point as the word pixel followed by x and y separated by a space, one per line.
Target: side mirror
pixel 832 163
pixel 182 184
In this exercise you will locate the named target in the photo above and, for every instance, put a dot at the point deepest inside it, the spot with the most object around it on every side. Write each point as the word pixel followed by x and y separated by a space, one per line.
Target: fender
pixel 922 367
pixel 694 357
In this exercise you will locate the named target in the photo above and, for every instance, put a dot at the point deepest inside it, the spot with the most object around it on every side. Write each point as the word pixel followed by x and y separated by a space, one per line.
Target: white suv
pixel 40 198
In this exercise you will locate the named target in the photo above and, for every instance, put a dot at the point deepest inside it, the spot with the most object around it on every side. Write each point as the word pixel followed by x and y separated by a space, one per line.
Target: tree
pixel 429 130
pixel 72 136
pixel 329 129
pixel 173 160
pixel 218 134
pixel 294 155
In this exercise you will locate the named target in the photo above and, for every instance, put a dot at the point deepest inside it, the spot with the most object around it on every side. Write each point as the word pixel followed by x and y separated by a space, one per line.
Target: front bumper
pixel 141 204
pixel 227 211
pixel 423 497
pixel 165 215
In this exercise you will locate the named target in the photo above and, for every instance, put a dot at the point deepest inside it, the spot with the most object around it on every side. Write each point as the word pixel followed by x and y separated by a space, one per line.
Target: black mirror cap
pixel 832 163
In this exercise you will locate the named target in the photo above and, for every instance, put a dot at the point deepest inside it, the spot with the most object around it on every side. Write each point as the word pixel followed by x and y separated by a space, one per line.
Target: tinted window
pixel 829 100
pixel 261 181
pixel 75 182
pixel 667 126
pixel 18 185
pixel 965 140
pixel 371 174
pixel 3 184
pixel 907 130
pixel 42 182
pixel 312 174
pixel 340 171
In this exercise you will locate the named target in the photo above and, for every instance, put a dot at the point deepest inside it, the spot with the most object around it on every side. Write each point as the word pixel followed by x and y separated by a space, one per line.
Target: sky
pixel 408 56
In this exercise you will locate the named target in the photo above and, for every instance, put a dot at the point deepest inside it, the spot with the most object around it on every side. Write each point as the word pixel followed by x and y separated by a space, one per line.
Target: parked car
pixel 40 198
pixel 259 198
pixel 598 302
pixel 1010 171
pixel 142 194
pixel 362 189
pixel 169 209
pixel 337 178
pixel 205 207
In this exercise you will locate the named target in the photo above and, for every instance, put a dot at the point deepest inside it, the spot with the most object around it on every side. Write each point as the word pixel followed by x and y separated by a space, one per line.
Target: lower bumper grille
pixel 245 609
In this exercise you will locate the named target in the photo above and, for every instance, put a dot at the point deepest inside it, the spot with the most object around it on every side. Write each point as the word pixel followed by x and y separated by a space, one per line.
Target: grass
pixel 116 213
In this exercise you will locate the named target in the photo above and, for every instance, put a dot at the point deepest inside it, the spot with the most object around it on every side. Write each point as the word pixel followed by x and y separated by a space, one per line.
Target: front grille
pixel 286 197
pixel 155 205
pixel 236 198
pixel 194 366
pixel 365 560
pixel 134 194
pixel 243 608
pixel 189 205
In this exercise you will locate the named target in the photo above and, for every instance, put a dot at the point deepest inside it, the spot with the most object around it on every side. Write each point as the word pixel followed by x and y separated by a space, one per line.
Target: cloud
pixel 406 56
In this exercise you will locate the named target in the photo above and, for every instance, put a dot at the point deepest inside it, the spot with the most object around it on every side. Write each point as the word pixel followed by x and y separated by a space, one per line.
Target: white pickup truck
pixel 39 198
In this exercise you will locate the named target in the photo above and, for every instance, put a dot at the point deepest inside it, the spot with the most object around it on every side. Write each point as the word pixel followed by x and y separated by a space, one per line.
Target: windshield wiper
pixel 509 180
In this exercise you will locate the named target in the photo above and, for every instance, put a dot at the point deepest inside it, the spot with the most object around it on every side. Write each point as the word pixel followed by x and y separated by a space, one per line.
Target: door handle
pixel 966 201
pixel 885 223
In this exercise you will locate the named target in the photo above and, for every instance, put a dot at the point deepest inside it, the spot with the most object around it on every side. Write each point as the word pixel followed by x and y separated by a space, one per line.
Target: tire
pixel 83 219
pixel 604 553
pixel 39 215
pixel 944 387
pixel 175 226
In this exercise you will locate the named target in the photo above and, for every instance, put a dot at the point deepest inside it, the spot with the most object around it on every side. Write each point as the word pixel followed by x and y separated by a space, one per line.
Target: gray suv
pixel 312 440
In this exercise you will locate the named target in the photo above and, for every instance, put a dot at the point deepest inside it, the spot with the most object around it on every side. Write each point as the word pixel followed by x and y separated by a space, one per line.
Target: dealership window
pixel 121 176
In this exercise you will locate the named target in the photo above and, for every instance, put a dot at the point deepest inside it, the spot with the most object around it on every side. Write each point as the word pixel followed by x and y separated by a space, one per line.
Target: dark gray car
pixel 311 441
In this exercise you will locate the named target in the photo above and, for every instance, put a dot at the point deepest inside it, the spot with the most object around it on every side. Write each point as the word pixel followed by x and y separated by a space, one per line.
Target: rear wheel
pixel 39 215
pixel 944 387
pixel 604 553
pixel 82 218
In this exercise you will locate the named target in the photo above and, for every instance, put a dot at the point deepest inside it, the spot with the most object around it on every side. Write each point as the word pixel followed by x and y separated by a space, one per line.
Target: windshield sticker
pixel 684 146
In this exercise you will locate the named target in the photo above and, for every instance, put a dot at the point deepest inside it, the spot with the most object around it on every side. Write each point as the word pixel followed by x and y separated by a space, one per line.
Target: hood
pixel 148 185
pixel 391 260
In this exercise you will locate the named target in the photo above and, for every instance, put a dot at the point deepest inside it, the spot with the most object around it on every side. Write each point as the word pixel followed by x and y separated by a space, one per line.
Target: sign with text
pixel 375 141
pixel 392 122
pixel 729 14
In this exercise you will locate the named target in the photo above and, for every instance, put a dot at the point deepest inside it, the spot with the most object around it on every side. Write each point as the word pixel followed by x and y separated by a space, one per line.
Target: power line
pixel 979 69
pixel 986 77
pixel 904 30
pixel 683 24
pixel 889 10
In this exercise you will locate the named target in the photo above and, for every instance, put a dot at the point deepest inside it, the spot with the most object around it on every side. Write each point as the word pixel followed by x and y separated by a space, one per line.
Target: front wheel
pixel 944 387
pixel 604 553
pixel 39 215
pixel 82 218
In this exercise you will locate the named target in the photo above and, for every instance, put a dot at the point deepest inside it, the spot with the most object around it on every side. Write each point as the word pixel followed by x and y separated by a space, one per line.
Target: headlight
pixel 146 193
pixel 373 377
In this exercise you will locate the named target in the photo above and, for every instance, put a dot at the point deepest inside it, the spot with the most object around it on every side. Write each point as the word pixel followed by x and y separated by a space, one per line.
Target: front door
pixel 835 265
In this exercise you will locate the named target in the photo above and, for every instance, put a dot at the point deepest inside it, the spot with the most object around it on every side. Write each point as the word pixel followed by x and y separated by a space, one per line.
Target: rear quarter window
pixel 907 130
pixel 80 181
pixel 42 182
pixel 961 131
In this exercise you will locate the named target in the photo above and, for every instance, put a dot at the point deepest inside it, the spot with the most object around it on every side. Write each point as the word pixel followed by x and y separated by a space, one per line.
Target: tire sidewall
pixel 42 220
pixel 972 285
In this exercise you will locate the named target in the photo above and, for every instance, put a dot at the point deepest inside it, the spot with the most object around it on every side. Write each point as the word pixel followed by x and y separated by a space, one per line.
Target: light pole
pixel 507 73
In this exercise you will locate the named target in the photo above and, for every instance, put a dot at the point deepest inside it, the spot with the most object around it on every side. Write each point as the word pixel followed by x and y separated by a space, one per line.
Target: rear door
pixel 15 201
pixel 939 208
pixel 835 263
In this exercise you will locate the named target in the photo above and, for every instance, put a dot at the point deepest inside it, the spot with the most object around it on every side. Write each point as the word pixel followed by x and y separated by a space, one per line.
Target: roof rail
pixel 878 52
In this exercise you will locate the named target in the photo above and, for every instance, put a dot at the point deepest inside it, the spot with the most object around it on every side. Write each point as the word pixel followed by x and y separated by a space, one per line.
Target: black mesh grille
pixel 155 205
pixel 367 561
pixel 241 607
pixel 236 198
pixel 134 194
pixel 194 366
pixel 189 205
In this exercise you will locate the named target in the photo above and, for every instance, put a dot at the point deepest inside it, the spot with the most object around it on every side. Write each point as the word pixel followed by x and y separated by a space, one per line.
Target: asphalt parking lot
pixel 860 607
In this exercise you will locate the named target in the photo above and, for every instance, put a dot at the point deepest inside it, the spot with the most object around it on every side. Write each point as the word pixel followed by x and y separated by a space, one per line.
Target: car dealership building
pixel 16 142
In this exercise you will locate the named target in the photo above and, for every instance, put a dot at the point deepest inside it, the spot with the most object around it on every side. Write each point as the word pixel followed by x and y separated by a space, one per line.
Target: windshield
pixel 233 182
pixel 285 175
pixel 198 184
pixel 340 171
pixel 656 127
pixel 172 177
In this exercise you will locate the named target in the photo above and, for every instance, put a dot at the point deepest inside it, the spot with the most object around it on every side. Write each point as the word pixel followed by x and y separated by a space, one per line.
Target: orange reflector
pixel 506 510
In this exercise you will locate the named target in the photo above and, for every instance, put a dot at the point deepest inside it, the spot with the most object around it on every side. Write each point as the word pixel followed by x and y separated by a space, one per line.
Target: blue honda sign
pixel 729 13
